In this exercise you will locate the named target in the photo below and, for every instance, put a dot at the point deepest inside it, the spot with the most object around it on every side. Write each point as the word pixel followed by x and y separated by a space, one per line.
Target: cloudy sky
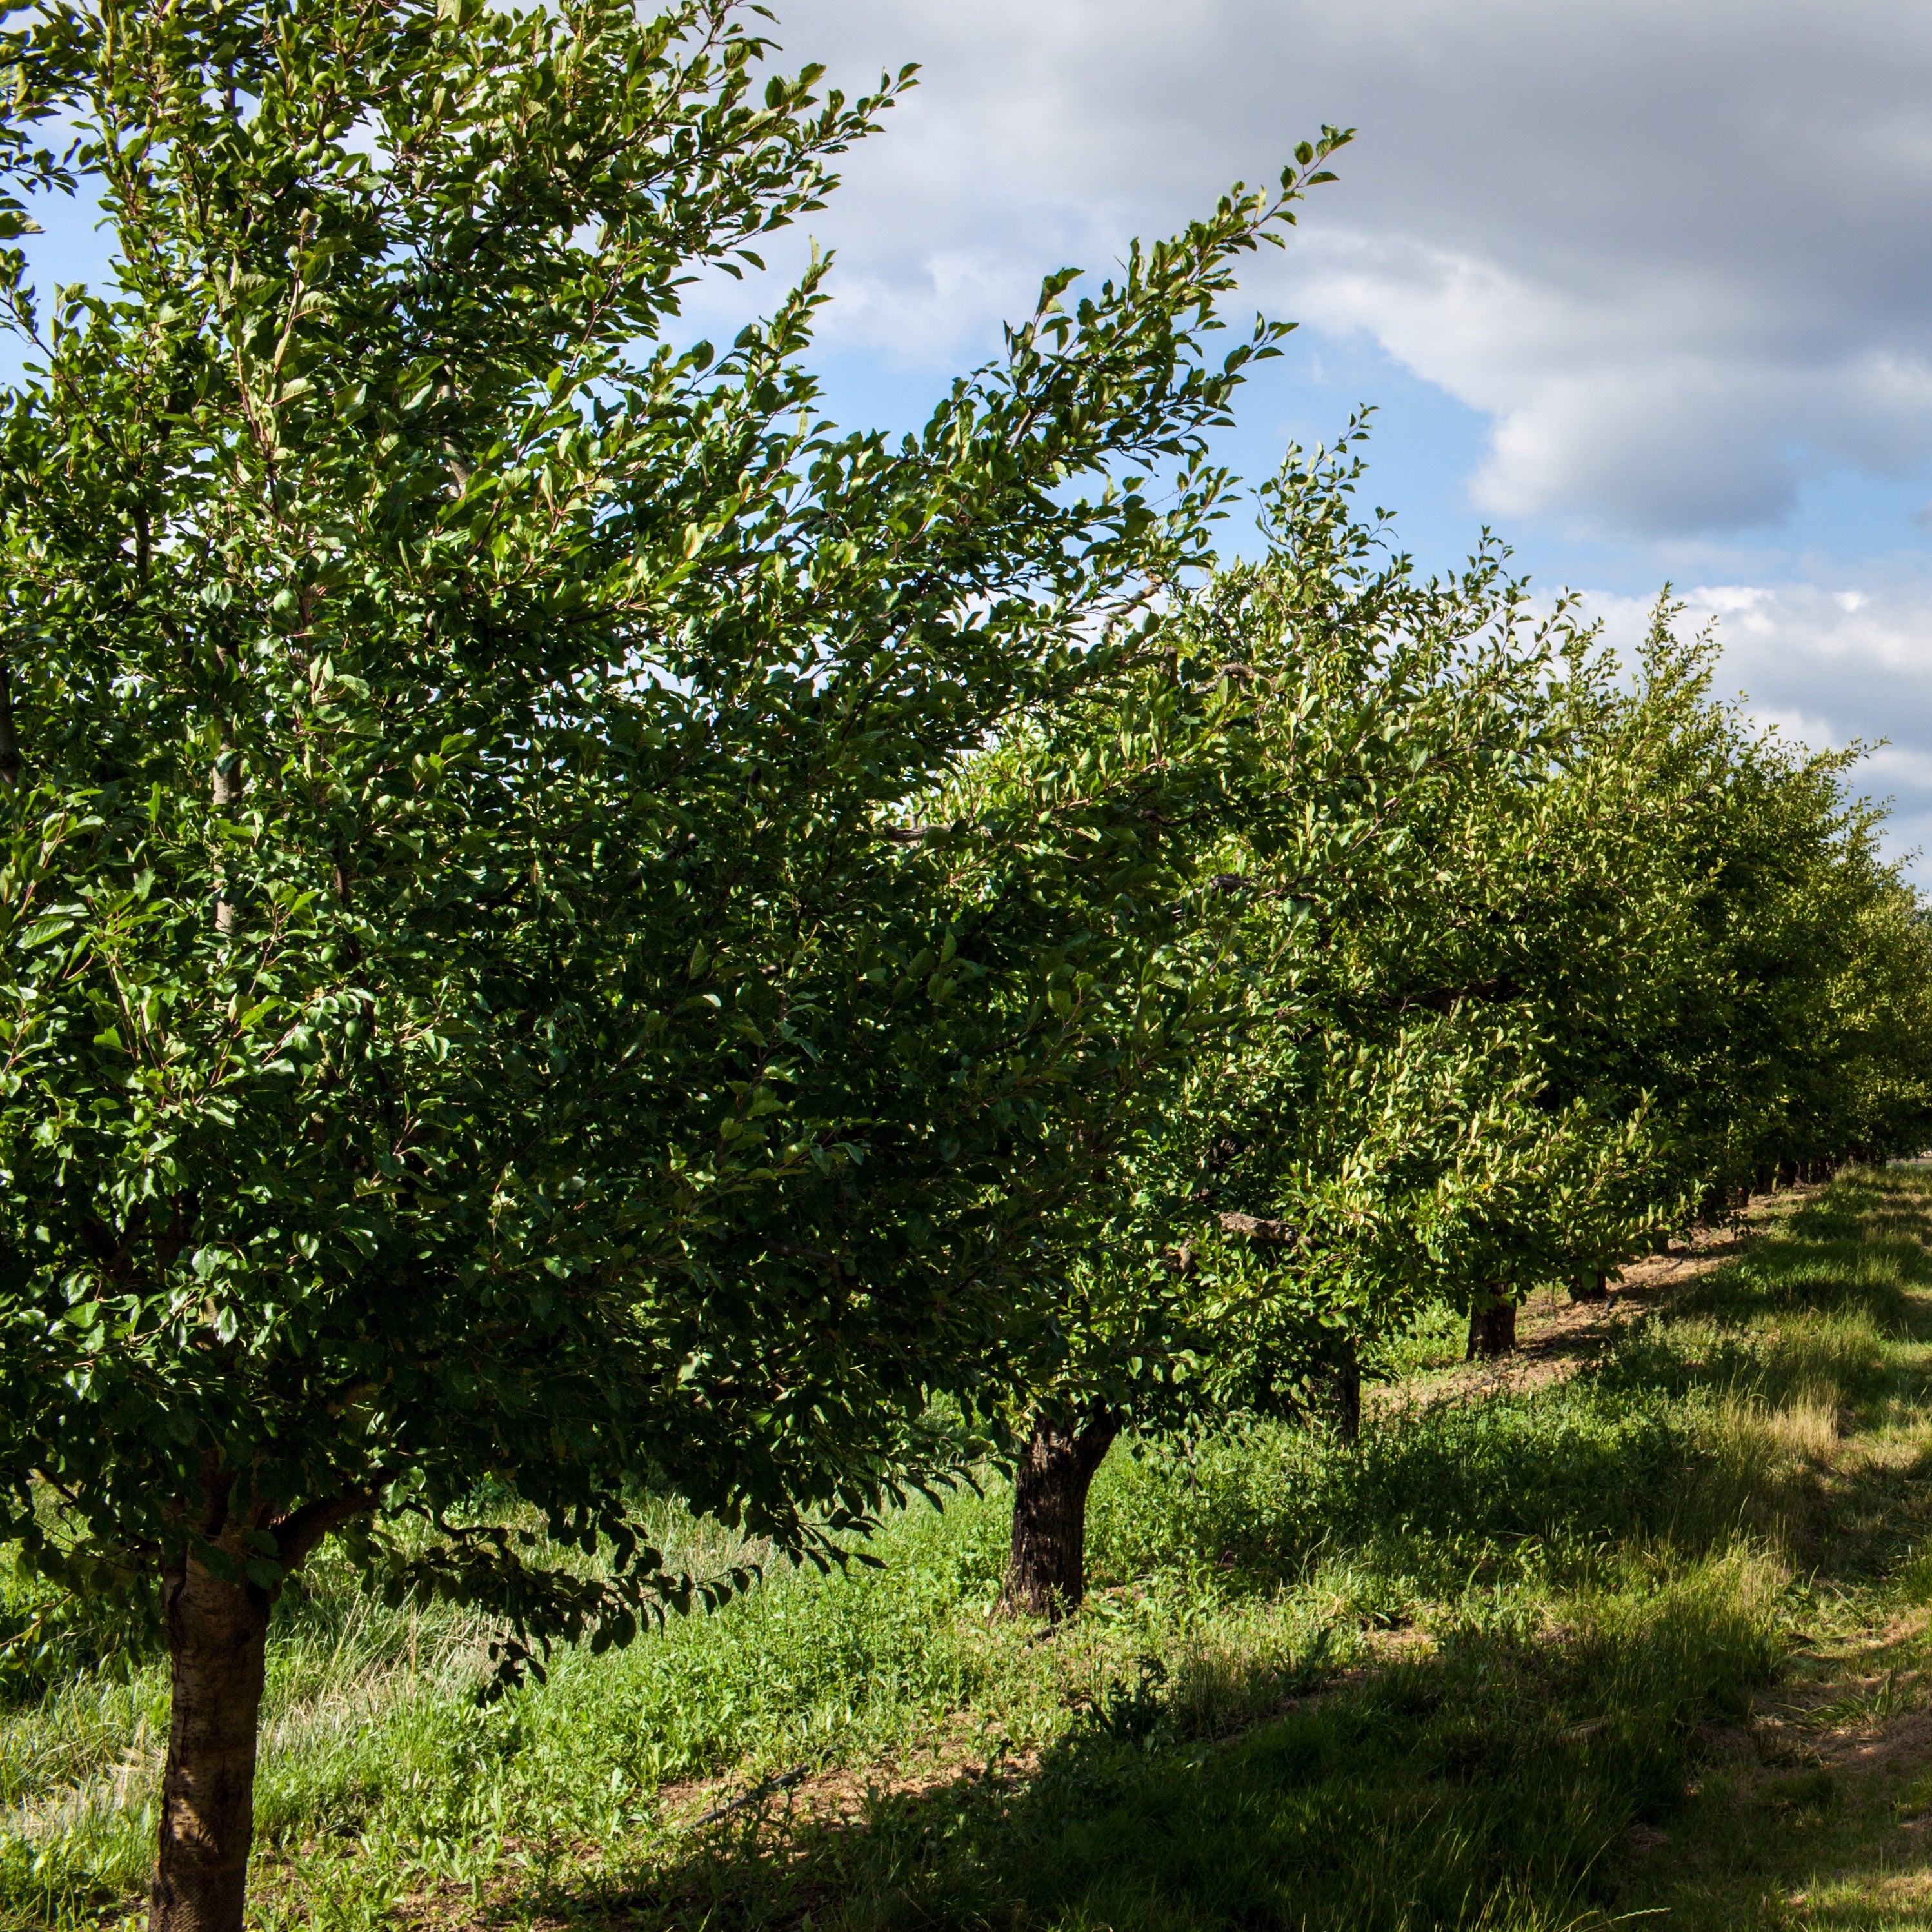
pixel 1646 285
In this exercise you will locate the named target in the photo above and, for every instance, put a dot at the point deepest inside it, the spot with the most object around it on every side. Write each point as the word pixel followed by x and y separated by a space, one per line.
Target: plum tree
pixel 474 1005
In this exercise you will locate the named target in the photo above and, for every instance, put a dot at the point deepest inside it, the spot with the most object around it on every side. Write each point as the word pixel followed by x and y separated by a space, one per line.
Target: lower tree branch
pixel 297 1533
pixel 11 766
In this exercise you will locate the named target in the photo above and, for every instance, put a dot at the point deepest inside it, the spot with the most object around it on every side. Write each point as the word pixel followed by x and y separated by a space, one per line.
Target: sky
pixel 1645 286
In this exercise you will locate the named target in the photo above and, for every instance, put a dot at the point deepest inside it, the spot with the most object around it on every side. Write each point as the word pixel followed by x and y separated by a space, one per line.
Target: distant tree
pixel 1631 955
pixel 1380 1133
pixel 1797 1038
pixel 476 1004
pixel 1702 932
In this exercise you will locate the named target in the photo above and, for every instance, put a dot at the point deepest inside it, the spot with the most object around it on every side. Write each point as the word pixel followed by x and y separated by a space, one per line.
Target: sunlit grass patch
pixel 1839 1357
pixel 1795 1272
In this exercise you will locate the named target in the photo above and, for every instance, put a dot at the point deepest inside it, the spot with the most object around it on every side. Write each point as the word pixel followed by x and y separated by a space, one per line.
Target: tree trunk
pixel 1492 1329
pixel 1590 1287
pixel 216 1634
pixel 224 783
pixel 10 766
pixel 1348 1394
pixel 1046 1574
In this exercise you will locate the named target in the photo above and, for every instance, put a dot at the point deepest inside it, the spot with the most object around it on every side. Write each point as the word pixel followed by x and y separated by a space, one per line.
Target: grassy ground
pixel 1642 1628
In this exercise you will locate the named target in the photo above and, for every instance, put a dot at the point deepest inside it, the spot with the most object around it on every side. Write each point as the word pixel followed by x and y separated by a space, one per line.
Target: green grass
pixel 1648 1639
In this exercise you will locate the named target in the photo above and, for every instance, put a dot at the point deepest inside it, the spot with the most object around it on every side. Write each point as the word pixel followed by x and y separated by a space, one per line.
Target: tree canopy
pixel 1503 959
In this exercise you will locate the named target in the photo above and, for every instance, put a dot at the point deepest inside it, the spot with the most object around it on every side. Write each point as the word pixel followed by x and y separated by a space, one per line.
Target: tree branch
pixel 10 764
pixel 297 1533
pixel 1258 1229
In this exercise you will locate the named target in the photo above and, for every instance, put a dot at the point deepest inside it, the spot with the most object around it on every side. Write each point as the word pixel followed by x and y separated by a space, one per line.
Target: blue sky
pixel 1645 286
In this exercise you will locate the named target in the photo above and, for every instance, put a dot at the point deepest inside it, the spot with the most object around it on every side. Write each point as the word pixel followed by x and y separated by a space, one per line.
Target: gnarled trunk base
pixel 217 1637
pixel 1046 1574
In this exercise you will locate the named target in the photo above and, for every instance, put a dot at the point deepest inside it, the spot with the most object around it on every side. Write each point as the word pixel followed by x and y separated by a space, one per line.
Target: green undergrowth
pixel 1514 1661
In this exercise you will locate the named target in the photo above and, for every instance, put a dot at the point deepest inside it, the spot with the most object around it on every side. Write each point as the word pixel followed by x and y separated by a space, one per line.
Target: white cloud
pixel 1680 254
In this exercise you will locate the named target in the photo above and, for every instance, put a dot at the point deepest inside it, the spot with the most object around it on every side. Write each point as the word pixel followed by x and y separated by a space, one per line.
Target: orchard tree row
pixel 573 933
pixel 1474 961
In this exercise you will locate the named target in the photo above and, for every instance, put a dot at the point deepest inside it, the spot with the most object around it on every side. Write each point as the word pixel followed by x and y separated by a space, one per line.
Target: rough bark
pixel 1590 1287
pixel 1492 1329
pixel 217 1635
pixel 1046 1574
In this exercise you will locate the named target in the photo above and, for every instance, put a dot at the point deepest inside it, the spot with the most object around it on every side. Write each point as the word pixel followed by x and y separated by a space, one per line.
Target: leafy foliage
pixel 475 1008
pixel 1498 962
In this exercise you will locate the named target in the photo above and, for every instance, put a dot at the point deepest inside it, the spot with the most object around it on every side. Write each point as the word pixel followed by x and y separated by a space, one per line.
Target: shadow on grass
pixel 1823 1313
pixel 1817 1849
pixel 1485 1785
pixel 1863 1243
pixel 1495 1783
pixel 1575 1552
